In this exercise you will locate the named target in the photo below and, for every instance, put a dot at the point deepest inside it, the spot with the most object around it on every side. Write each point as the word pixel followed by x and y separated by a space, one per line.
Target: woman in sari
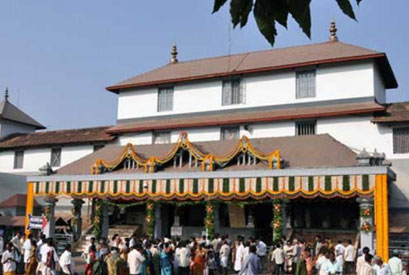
pixel 90 260
pixel 32 264
pixel 111 260
pixel 121 262
pixel 166 260
pixel 199 261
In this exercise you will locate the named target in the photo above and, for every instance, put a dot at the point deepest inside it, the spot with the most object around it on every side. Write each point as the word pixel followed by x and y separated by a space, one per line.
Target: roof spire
pixel 6 94
pixel 333 31
pixel 174 54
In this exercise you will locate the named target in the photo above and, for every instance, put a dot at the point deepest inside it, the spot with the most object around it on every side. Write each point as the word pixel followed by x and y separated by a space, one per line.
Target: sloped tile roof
pixel 395 113
pixel 58 137
pixel 275 59
pixel 322 151
pixel 10 112
pixel 18 200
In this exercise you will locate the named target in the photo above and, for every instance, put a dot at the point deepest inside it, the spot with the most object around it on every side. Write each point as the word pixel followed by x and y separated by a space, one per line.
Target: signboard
pixel 176 231
pixel 36 222
pixel 236 216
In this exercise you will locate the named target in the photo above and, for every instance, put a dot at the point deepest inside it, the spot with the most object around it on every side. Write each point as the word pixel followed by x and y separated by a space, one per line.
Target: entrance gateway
pixel 260 187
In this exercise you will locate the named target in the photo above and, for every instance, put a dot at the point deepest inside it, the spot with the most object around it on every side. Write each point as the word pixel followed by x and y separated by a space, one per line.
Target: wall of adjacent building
pixel 36 158
pixel 268 89
pixel 9 127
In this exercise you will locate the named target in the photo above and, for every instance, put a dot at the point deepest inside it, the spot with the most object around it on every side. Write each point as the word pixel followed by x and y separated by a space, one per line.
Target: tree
pixel 268 13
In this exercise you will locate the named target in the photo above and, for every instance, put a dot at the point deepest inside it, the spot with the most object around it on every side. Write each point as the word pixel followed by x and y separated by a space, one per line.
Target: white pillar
pixel 366 238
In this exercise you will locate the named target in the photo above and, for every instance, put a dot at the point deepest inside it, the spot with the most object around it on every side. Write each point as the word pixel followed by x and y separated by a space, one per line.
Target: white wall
pixel 342 81
pixel 35 158
pixel 358 133
pixel 10 127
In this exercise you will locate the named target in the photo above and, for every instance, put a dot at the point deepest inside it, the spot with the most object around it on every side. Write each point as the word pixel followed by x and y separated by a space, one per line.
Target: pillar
pixel 286 219
pixel 366 223
pixel 29 206
pixel 158 222
pixel 49 212
pixel 382 217
pixel 77 219
pixel 105 221
pixel 217 218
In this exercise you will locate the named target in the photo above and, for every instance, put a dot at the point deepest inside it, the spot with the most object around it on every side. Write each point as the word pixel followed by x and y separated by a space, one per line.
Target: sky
pixel 57 57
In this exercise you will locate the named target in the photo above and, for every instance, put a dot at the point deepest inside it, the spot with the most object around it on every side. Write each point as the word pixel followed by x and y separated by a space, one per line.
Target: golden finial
pixel 6 94
pixel 174 55
pixel 333 31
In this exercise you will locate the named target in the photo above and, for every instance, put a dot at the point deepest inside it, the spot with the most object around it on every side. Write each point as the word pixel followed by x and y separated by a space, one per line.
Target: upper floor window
pixel 305 84
pixel 165 99
pixel 228 133
pixel 232 92
pixel 401 140
pixel 18 159
pixel 161 137
pixel 304 128
pixel 55 160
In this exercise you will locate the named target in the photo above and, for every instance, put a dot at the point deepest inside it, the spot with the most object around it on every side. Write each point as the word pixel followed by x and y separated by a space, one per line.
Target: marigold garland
pixel 97 230
pixel 366 212
pixel 277 222
pixel 209 219
pixel 150 219
pixel 208 160
pixel 366 227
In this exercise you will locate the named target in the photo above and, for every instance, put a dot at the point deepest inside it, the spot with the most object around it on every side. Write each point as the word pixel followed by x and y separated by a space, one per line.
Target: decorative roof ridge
pixel 208 160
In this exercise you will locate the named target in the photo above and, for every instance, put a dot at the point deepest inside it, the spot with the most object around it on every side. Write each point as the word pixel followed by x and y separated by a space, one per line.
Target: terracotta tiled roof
pixel 249 117
pixel 395 113
pixel 276 59
pixel 322 151
pixel 59 137
pixel 10 112
pixel 16 221
pixel 18 200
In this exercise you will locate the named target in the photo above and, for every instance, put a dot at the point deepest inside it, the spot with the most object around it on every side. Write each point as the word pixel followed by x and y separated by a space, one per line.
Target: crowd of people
pixel 326 257
pixel 196 256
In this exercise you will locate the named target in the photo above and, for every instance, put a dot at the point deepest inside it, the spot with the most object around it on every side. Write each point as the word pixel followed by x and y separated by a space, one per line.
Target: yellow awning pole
pixel 29 206
pixel 381 217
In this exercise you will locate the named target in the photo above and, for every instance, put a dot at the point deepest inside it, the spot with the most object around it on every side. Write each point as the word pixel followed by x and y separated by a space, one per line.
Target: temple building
pixel 290 142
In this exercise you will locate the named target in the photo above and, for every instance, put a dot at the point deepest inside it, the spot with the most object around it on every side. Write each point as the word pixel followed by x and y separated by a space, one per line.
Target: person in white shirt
pixel 66 262
pixel 395 263
pixel 321 260
pixel 349 257
pixel 183 258
pixel 9 260
pixel 361 260
pixel 239 255
pixel 380 267
pixel 261 249
pixel 49 258
pixel 27 250
pixel 135 260
pixel 288 252
pixel 278 257
pixel 15 241
pixel 332 266
pixel 339 252
pixel 366 268
pixel 224 256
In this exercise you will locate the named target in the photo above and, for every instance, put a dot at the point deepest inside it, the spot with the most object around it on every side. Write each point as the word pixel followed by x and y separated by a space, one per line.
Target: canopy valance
pixel 213 188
